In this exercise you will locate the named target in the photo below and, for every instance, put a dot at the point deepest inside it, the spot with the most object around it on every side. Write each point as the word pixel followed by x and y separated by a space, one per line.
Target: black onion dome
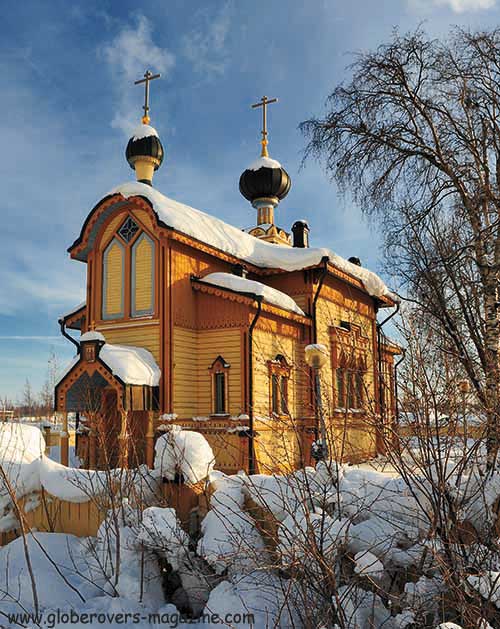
pixel 147 146
pixel 266 181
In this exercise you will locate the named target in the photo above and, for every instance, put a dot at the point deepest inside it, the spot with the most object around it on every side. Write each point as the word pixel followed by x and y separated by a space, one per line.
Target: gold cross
pixel 148 76
pixel 264 102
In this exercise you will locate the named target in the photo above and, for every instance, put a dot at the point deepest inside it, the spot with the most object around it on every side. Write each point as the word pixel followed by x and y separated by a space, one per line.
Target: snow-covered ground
pixel 335 546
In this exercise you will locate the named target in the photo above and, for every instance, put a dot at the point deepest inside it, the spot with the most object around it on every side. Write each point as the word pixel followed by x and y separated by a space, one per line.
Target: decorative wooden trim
pixel 348 351
pixel 78 370
pixel 132 323
pixel 245 298
pixel 79 316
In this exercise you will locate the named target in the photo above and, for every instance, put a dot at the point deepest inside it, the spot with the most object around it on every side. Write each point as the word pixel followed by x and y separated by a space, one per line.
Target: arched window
pixel 113 289
pixel 220 399
pixel 279 375
pixel 128 272
pixel 143 276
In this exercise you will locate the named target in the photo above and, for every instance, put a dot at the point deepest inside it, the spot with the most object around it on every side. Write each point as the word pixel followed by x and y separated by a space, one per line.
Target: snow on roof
pixel 73 310
pixel 183 452
pixel 133 365
pixel 242 285
pixel 264 162
pixel 92 335
pixel 144 131
pixel 234 241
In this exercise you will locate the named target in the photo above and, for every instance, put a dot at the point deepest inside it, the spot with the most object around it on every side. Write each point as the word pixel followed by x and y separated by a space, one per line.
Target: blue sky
pixel 69 103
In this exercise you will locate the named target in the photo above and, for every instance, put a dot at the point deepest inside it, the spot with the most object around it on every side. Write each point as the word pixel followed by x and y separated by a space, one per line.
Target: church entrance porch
pixel 115 390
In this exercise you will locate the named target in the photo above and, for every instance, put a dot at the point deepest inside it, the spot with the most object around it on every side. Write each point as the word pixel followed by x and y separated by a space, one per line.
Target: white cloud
pixel 205 45
pixel 458 6
pixel 130 53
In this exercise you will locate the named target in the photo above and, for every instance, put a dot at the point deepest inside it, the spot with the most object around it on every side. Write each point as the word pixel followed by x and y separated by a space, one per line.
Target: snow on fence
pixel 53 498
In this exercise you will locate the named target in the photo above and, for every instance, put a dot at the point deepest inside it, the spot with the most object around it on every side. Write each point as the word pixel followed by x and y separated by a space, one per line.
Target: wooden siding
pixel 194 353
pixel 185 368
pixel 225 343
pixel 186 262
pixel 266 345
pixel 146 335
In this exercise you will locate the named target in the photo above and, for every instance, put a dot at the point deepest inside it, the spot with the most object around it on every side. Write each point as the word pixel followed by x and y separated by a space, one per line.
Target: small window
pixel 350 388
pixel 128 230
pixel 220 393
pixel 279 374
pixel 219 372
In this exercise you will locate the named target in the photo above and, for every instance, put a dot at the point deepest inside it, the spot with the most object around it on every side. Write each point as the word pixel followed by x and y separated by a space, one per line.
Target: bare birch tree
pixel 414 134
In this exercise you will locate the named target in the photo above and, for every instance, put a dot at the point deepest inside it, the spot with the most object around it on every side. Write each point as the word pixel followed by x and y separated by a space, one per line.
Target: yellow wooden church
pixel 192 321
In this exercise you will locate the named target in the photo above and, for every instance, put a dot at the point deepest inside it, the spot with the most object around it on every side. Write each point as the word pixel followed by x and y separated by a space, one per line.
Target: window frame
pixel 279 376
pixel 217 369
pixel 104 266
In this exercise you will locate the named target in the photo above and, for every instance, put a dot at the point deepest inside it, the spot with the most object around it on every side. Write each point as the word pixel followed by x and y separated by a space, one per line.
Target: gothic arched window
pixel 143 276
pixel 128 273
pixel 113 284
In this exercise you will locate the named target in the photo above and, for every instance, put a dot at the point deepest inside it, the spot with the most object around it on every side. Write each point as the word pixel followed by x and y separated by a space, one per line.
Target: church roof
pixel 235 242
pixel 74 310
pixel 242 285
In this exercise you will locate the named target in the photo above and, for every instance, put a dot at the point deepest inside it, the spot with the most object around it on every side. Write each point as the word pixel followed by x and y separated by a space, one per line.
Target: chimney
pixel 354 260
pixel 239 270
pixel 300 231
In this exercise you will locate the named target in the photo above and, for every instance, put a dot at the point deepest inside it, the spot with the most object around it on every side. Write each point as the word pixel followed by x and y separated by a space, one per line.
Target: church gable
pixel 125 267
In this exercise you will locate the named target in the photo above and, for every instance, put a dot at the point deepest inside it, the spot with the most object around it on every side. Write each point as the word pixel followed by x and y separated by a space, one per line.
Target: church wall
pixel 194 354
pixel 297 284
pixel 338 303
pixel 187 262
pixel 185 372
pixel 278 444
pixel 228 344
